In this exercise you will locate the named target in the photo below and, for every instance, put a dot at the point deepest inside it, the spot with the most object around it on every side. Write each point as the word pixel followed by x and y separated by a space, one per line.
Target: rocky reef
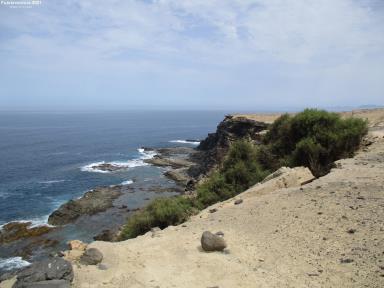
pixel 92 202
pixel 14 231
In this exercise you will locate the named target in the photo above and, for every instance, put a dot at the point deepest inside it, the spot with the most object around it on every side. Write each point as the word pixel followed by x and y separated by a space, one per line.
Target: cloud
pixel 207 39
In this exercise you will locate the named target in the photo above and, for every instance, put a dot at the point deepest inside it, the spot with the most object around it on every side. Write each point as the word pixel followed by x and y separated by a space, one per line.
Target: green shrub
pixel 312 138
pixel 161 213
pixel 239 171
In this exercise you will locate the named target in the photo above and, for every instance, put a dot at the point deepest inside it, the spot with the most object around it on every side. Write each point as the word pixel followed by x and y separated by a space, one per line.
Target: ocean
pixel 46 158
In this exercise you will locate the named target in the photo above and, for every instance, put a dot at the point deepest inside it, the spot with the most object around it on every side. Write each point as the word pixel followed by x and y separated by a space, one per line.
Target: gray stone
pixel 239 201
pixel 91 256
pixel 212 242
pixel 48 284
pixel 49 269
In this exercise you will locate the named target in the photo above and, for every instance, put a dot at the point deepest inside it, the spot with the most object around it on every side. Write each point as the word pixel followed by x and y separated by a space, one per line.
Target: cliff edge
pixel 327 233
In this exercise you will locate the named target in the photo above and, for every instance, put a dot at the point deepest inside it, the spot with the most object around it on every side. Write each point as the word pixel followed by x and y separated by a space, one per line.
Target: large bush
pixel 312 138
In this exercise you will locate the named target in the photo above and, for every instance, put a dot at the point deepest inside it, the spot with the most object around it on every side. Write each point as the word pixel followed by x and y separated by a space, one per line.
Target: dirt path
pixel 328 233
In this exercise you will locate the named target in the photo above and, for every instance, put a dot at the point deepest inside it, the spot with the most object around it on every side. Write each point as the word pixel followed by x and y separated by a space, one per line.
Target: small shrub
pixel 161 213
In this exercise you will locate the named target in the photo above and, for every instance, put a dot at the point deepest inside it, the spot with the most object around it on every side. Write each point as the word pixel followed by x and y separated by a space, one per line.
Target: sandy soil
pixel 328 233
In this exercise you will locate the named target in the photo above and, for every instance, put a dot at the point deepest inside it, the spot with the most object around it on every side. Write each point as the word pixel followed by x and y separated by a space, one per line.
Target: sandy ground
pixel 328 233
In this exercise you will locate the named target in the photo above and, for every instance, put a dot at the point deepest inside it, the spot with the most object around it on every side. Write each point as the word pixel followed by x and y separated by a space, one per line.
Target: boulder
pixel 46 271
pixel 212 242
pixel 77 245
pixel 91 256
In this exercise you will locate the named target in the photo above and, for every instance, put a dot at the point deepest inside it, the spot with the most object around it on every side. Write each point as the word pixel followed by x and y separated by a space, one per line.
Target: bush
pixel 239 171
pixel 312 138
pixel 161 213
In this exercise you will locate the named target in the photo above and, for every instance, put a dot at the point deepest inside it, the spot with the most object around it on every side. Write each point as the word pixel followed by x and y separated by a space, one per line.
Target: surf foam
pixel 51 181
pixel 8 264
pixel 128 182
pixel 185 142
pixel 137 162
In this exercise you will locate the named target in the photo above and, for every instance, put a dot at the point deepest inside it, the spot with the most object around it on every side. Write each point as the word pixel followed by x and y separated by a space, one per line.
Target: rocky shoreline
pixel 186 166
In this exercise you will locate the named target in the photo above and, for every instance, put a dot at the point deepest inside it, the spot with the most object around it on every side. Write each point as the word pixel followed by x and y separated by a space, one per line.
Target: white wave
pixel 93 167
pixel 144 155
pixel 127 182
pixel 8 264
pixel 51 181
pixel 185 142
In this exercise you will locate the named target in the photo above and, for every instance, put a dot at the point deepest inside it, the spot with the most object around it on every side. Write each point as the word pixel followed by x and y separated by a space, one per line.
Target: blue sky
pixel 201 54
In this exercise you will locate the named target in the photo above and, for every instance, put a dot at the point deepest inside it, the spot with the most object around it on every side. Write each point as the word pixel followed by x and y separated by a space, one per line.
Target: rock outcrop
pixel 92 202
pixel 213 148
pixel 52 272
pixel 14 231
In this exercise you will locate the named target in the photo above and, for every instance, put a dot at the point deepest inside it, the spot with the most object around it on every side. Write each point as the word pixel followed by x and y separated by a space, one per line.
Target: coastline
pixel 295 236
pixel 167 159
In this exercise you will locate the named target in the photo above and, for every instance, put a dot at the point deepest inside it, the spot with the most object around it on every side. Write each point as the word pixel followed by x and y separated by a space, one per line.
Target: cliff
pixel 213 148
pixel 327 233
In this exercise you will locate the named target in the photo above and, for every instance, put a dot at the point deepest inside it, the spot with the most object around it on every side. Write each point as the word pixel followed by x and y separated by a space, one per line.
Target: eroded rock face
pixel 212 242
pixel 91 256
pixel 94 201
pixel 55 269
pixel 18 230
pixel 215 146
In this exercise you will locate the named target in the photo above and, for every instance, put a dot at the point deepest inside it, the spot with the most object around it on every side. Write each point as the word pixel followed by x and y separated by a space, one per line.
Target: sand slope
pixel 291 237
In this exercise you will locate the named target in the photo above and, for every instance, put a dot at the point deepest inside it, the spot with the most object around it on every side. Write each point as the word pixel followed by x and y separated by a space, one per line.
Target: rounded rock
pixel 91 256
pixel 212 242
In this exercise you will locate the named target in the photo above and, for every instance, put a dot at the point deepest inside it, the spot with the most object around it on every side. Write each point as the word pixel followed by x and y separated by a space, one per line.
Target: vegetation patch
pixel 312 138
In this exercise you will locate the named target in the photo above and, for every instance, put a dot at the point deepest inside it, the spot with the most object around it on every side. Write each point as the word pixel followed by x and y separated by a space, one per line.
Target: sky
pixel 200 54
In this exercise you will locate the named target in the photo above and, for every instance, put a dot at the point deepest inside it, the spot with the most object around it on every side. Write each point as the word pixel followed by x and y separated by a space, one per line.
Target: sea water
pixel 46 158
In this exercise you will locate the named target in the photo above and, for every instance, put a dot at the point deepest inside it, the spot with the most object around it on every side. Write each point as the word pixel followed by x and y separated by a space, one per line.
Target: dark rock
pixel 107 167
pixel 351 231
pixel 102 266
pixel 347 260
pixel 106 235
pixel 212 242
pixel 178 175
pixel 213 149
pixel 18 230
pixel 212 210
pixel 91 256
pixel 92 202
pixel 239 201
pixel 46 270
pixel 48 284
pixel 169 162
